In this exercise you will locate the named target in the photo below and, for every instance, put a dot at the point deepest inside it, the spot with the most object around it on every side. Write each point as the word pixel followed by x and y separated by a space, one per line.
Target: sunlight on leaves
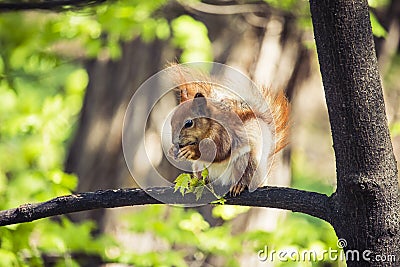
pixel 377 28
pixel 229 212
pixel 192 37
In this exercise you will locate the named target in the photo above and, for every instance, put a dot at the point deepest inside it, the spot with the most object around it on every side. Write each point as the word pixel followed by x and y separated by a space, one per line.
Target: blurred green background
pixel 65 79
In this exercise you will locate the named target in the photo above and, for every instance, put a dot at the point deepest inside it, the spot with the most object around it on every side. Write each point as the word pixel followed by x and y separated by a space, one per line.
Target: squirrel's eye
pixel 188 123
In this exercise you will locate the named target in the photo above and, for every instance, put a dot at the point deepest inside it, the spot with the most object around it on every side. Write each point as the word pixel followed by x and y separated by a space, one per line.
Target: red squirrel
pixel 247 131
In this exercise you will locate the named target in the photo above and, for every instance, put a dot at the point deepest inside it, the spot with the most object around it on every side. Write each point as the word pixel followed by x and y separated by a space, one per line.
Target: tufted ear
pixel 197 95
pixel 183 93
pixel 199 105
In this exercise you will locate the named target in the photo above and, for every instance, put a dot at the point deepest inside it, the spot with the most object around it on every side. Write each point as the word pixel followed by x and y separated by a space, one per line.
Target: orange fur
pixel 272 111
pixel 280 112
pixel 187 89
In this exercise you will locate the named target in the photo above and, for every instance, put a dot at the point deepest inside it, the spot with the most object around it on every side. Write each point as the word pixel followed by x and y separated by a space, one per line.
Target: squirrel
pixel 239 135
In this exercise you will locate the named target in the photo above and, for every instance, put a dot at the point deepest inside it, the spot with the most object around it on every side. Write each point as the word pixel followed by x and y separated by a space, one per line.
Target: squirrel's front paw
pixel 186 153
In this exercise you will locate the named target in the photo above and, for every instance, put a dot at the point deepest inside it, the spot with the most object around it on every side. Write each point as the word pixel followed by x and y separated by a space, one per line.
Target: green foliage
pixel 301 12
pixel 286 5
pixel 183 182
pixel 35 125
pixel 189 183
pixel 41 92
pixel 100 31
pixel 377 28
pixel 378 3
pixel 40 97
pixel 306 178
pixel 228 213
pixel 186 233
pixel 69 237
pixel 192 37
pixel 395 129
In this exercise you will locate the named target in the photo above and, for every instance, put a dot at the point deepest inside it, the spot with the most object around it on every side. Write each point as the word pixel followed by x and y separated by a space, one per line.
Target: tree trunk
pixel 96 152
pixel 366 204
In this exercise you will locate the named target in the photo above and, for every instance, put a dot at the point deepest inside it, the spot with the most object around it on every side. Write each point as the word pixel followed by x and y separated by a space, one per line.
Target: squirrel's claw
pixel 186 153
pixel 236 189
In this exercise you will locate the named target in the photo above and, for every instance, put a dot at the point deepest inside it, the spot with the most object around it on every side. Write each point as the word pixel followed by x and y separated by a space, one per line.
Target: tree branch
pixel 314 204
pixel 48 5
pixel 232 9
pixel 224 9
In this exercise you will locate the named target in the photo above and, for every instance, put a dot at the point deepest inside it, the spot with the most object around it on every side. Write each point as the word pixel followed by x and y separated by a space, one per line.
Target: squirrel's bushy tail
pixel 279 110
pixel 272 107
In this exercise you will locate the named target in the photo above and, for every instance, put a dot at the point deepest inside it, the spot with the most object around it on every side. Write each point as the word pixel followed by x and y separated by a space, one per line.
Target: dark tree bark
pixel 365 207
pixel 311 203
pixel 58 5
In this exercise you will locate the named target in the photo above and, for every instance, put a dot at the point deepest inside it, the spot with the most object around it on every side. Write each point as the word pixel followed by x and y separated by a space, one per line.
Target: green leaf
pixel 198 191
pixel 377 28
pixel 194 181
pixel 287 5
pixel 395 129
pixel 66 180
pixel 378 3
pixel 204 174
pixel 228 212
pixel 77 81
pixel 191 36
pixel 182 183
pixel 188 183
pixel 8 258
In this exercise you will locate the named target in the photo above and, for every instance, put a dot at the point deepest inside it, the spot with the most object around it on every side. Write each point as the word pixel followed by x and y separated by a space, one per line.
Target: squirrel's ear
pixel 199 105
pixel 183 93
pixel 198 95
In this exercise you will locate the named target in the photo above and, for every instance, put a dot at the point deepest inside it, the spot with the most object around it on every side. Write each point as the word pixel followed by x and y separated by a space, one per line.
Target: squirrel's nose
pixel 175 141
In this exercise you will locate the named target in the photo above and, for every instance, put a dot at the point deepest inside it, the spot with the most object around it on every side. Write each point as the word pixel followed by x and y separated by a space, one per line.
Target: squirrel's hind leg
pixel 239 185
pixel 237 189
